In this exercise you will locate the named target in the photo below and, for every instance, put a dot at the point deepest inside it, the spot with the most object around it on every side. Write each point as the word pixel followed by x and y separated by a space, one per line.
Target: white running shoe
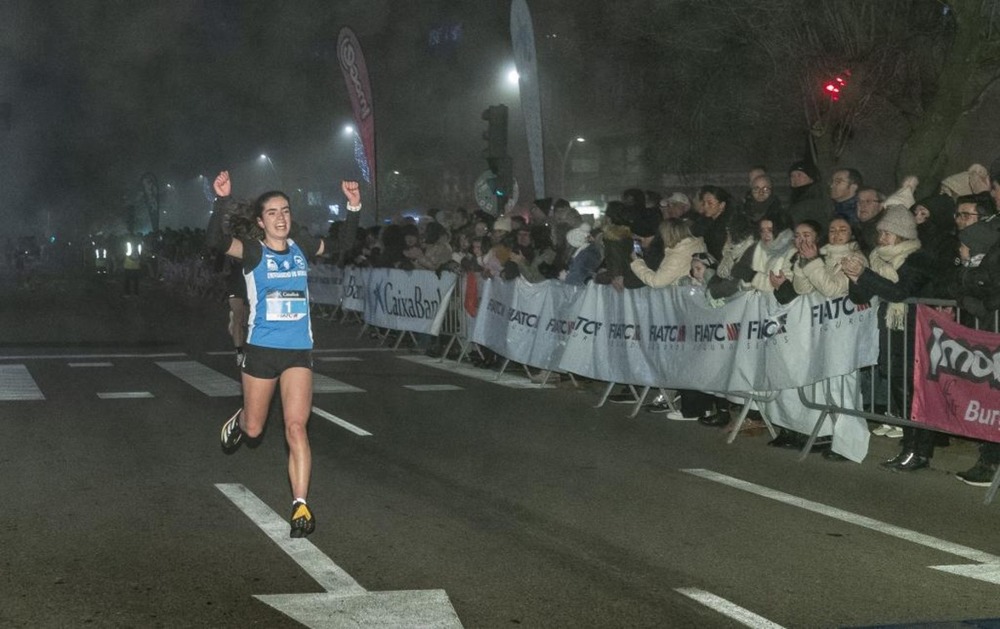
pixel 677 416
pixel 895 432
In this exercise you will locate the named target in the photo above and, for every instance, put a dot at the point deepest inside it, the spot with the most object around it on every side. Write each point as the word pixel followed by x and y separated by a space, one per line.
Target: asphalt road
pixel 526 506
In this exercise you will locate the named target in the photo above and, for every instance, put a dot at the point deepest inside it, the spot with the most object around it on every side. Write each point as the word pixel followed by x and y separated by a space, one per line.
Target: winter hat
pixel 706 259
pixel 806 167
pixel 679 197
pixel 577 237
pixel 979 237
pixel 898 220
pixel 502 224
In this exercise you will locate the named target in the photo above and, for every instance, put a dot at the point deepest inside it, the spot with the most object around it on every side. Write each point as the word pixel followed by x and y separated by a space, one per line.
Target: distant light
pixel 581 139
pixel 513 77
pixel 263 156
pixel 395 172
pixel 348 129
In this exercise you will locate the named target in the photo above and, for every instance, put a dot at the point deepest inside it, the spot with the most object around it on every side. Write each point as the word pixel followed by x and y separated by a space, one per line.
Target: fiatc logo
pixel 757 330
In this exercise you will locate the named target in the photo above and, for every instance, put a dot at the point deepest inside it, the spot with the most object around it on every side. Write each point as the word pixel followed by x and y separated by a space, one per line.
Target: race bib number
pixel 287 305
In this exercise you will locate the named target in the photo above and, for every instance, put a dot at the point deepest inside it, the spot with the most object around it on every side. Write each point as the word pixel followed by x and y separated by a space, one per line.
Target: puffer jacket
pixel 675 265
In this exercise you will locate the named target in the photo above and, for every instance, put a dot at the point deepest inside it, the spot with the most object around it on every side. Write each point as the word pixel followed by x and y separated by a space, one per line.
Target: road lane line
pixel 317 565
pixel 740 614
pixel 487 375
pixel 124 395
pixel 105 364
pixel 340 422
pixel 344 603
pixel 846 516
pixel 91 356
pixel 204 378
pixel 17 384
pixel 432 387
pixel 338 359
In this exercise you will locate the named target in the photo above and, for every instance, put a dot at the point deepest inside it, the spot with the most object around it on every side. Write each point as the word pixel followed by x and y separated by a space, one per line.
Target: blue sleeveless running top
pixel 278 293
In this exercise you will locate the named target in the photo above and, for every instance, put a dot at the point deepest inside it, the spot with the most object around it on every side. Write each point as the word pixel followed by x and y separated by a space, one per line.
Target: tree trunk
pixel 923 152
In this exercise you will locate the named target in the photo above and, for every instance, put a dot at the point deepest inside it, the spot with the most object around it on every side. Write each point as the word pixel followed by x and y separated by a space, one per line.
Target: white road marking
pixel 317 565
pixel 326 384
pixel 851 518
pixel 487 375
pixel 124 395
pixel 741 615
pixel 344 603
pixel 105 364
pixel 352 350
pixel 205 379
pixel 432 387
pixel 340 422
pixel 91 356
pixel 17 384
pixel 338 359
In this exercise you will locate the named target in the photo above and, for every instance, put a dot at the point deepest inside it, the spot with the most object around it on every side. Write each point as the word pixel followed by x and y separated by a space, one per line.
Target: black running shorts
pixel 269 363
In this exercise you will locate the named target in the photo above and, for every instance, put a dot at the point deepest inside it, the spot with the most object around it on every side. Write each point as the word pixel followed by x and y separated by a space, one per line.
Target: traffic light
pixel 496 132
pixel 833 87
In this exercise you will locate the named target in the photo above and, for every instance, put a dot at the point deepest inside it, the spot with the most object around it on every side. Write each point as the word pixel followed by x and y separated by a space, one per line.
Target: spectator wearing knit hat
pixel 586 257
pixel 898 270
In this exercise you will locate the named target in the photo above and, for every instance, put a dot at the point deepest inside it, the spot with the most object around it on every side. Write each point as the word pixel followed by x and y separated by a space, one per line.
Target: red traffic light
pixel 833 87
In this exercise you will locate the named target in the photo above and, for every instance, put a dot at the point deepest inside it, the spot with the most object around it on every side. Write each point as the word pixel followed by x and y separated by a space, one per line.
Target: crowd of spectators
pixel 835 236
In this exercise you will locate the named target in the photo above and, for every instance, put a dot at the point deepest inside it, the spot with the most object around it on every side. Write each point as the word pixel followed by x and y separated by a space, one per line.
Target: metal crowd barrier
pixel 879 389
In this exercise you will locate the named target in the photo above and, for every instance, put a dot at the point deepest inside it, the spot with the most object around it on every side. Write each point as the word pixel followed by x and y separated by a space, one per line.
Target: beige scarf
pixel 886 261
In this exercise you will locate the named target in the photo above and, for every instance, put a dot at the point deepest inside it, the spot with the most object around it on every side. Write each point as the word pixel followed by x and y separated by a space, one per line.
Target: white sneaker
pixel 881 430
pixel 894 432
pixel 678 417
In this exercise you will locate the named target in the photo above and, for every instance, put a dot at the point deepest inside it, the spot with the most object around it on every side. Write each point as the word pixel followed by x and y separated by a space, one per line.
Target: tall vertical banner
pixel 956 377
pixel 522 37
pixel 352 64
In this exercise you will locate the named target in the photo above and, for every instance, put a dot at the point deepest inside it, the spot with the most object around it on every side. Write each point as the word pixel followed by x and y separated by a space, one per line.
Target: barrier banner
pixel 956 376
pixel 672 337
pixel 520 320
pixel 414 301
pixel 353 289
pixel 326 284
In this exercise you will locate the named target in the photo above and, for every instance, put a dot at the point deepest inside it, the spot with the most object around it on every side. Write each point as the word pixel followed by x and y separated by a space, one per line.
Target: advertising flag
pixel 352 64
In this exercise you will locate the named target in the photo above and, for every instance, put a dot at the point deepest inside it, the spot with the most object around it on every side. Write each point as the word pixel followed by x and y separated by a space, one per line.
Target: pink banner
pixel 352 64
pixel 956 377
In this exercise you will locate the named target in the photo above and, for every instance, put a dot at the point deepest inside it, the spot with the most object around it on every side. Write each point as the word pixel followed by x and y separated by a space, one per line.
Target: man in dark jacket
pixel 808 200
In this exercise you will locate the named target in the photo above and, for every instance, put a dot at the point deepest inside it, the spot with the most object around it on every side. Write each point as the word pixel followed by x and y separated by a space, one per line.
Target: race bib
pixel 287 305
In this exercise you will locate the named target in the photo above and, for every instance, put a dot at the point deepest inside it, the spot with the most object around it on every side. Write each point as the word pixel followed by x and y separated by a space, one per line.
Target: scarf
pixel 886 262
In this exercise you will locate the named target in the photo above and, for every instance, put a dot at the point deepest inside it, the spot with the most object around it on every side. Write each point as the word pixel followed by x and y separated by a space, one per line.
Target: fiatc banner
pixel 672 337
pixel 524 321
pixel 956 377
pixel 407 300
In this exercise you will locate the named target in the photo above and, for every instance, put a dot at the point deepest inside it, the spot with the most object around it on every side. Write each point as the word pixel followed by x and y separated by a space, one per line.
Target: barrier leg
pixel 363 328
pixel 639 402
pixel 806 449
pixel 992 491
pixel 604 396
pixel 739 420
pixel 503 366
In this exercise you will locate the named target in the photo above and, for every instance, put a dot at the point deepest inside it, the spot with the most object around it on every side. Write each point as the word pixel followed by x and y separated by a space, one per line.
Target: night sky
pixel 102 91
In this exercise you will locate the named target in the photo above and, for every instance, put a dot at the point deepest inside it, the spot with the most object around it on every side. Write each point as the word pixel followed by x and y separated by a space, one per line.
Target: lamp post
pixel 565 160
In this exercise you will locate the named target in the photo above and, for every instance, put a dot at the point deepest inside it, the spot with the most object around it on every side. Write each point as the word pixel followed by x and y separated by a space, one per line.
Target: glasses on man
pixel 966 214
pixel 760 189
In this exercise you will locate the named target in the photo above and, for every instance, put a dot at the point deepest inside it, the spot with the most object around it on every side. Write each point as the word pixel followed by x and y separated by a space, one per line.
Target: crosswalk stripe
pixel 338 359
pixel 102 364
pixel 504 380
pixel 340 422
pixel 326 384
pixel 17 384
pixel 205 379
pixel 124 395
pixel 431 387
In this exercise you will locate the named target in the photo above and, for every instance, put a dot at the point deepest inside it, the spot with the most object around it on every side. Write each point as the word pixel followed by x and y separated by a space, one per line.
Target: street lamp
pixel 565 160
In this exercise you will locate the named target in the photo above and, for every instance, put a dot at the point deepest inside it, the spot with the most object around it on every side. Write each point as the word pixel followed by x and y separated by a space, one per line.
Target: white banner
pixel 406 300
pixel 673 338
pixel 326 284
